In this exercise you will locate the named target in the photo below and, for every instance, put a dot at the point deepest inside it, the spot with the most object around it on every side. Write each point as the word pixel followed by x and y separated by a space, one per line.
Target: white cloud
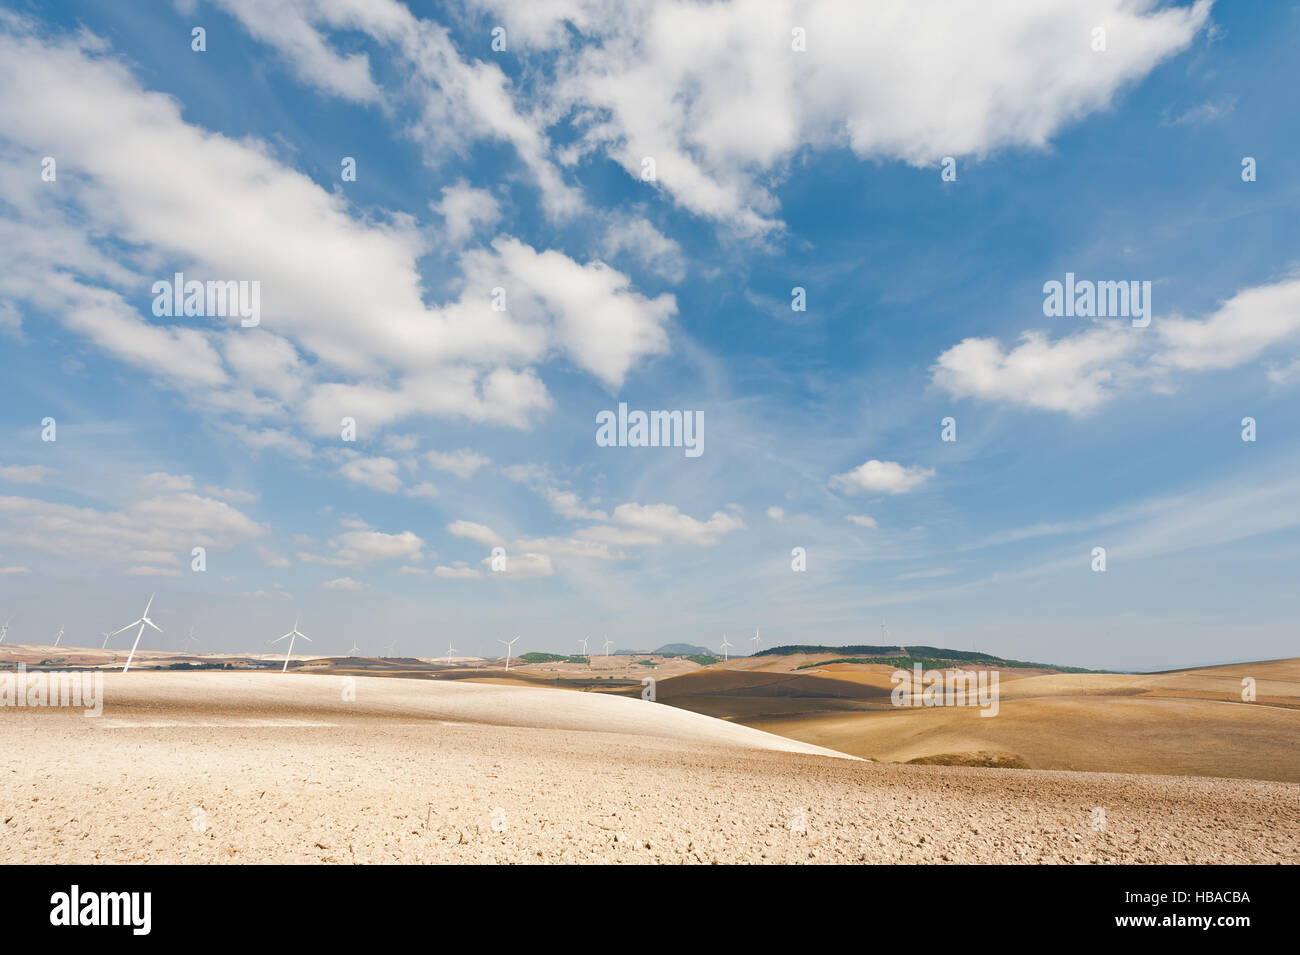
pixel 888 477
pixel 651 247
pixel 1075 374
pixel 476 532
pixel 25 473
pixel 165 195
pixel 459 101
pixel 424 489
pixel 465 208
pixel 1080 372
pixel 666 521
pixel 462 463
pixel 717 96
pixel 521 566
pixel 457 572
pixel 409 571
pixel 379 474
pixel 1239 331
pixel 363 547
pixel 155 534
pixel 231 495
pixel 145 571
pixel 345 584
pixel 271 438
pixel 862 520
pixel 281 24
pixel 161 482
pixel 776 513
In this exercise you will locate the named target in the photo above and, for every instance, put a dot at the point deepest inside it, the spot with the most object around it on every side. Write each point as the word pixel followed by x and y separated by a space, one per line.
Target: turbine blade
pixel 127 627
pixel 147 606
pixel 305 637
pixel 278 639
pixel 154 625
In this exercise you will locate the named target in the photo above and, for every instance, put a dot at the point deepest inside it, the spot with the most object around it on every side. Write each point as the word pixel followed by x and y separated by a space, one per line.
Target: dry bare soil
pixel 261 767
pixel 1183 722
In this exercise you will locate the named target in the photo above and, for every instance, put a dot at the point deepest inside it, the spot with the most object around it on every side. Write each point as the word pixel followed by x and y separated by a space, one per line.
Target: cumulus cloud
pixel 154 534
pixel 717 96
pixel 464 208
pixel 363 546
pixel 424 489
pixel 1075 374
pixel 862 520
pixel 638 238
pixel 888 477
pixel 380 474
pixel 25 473
pixel 462 463
pixel 159 481
pixel 666 521
pixel 477 532
pixel 345 584
pixel 1079 372
pixel 176 196
pixel 520 566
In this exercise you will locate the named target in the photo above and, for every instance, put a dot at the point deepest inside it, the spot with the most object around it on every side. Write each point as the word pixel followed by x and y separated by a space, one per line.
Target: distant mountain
pixel 684 650
pixel 896 654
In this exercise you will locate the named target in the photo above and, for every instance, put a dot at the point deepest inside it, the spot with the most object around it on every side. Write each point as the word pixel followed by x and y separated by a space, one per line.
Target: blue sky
pixel 521 169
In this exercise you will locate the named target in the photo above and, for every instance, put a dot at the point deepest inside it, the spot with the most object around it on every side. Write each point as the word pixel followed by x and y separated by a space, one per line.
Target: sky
pixel 563 206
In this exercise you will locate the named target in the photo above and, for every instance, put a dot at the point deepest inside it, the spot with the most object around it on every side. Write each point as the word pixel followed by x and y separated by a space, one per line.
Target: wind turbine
pixel 509 646
pixel 391 648
pixel 58 636
pixel 144 619
pixel 4 630
pixel 105 634
pixel 725 647
pixel 884 633
pixel 608 643
pixel 755 639
pixel 450 651
pixel 355 649
pixel 292 635
pixel 190 639
pixel 584 645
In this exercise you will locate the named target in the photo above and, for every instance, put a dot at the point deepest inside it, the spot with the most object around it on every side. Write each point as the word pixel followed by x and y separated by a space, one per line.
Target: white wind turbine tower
pixel 584 645
pixel 509 644
pixel 143 621
pixel 755 639
pixel 105 634
pixel 450 651
pixel 391 647
pixel 355 649
pixel 725 647
pixel 191 639
pixel 608 643
pixel 58 636
pixel 4 630
pixel 293 634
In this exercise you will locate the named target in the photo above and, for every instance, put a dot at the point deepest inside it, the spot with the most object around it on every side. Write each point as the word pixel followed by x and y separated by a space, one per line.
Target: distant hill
pixel 897 655
pixel 683 650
